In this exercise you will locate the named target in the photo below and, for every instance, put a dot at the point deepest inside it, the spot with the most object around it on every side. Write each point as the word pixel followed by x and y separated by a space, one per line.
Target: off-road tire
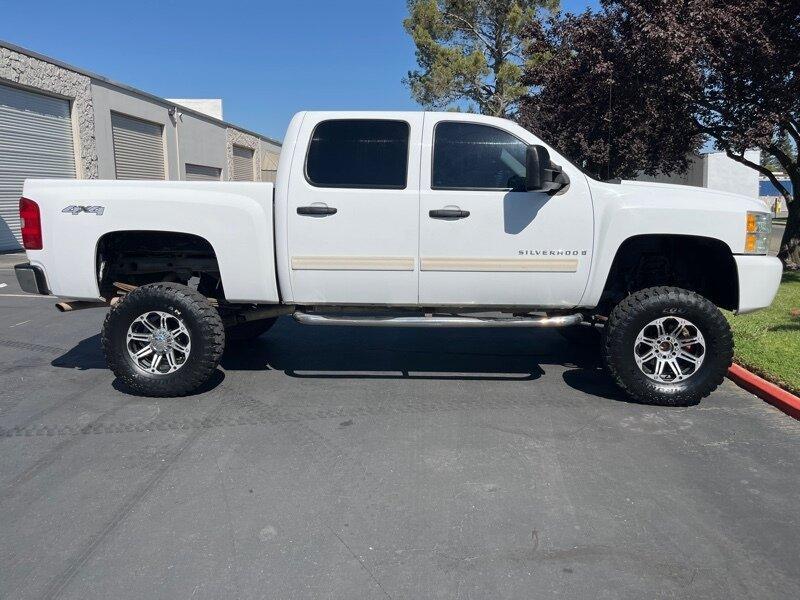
pixel 249 330
pixel 637 310
pixel 200 318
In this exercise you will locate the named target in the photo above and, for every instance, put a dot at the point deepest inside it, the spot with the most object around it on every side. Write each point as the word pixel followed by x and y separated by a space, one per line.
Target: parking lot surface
pixel 381 463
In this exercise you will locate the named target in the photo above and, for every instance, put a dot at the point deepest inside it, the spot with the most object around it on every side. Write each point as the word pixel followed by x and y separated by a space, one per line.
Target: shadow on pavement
pixel 86 355
pixel 386 353
pixel 595 382
pixel 217 377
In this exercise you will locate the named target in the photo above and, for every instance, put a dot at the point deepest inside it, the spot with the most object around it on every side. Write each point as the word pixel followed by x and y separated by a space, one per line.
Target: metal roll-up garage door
pixel 35 142
pixel 202 173
pixel 138 148
pixel 243 164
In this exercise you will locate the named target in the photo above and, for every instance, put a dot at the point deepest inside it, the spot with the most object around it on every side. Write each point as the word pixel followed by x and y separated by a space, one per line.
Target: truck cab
pixel 405 219
pixel 430 209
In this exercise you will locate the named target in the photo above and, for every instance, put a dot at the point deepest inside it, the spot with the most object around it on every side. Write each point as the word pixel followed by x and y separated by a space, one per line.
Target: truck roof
pixel 397 113
pixel 406 115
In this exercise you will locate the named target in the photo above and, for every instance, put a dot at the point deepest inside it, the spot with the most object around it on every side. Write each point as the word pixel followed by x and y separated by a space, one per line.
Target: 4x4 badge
pixel 75 209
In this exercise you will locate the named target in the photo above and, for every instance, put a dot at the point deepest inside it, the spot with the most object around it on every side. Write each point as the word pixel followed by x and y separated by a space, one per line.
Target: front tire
pixel 667 346
pixel 163 339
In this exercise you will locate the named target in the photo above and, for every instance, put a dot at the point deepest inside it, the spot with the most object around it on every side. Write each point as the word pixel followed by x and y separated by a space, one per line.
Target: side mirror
pixel 541 175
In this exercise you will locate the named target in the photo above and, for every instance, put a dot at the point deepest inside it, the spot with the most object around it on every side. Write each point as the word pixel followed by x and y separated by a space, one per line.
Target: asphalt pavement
pixel 380 463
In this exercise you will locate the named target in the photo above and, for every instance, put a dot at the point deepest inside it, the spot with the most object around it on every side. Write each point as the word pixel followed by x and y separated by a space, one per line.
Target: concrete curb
pixel 769 392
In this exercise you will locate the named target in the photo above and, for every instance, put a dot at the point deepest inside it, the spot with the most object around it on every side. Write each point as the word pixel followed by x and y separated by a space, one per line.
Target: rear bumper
pixel 759 278
pixel 31 279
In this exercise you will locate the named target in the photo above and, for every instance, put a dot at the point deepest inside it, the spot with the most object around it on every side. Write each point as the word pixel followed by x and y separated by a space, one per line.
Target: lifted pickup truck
pixel 405 220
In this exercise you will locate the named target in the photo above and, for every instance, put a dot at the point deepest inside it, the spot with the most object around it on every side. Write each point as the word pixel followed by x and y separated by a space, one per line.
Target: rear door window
pixel 358 153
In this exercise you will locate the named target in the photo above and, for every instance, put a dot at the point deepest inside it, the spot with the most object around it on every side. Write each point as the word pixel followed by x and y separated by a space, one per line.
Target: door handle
pixel 316 210
pixel 448 213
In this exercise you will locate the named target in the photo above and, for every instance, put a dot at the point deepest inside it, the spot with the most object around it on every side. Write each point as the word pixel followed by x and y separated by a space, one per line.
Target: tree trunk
pixel 790 244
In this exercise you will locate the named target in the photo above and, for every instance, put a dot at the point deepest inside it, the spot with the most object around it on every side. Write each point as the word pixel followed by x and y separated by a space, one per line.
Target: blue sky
pixel 266 59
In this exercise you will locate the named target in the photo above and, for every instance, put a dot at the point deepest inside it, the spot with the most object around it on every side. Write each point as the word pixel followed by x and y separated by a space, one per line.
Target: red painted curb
pixel 769 392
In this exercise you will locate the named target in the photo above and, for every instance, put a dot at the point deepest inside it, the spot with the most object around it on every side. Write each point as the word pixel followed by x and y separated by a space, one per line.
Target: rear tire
pixel 163 339
pixel 667 346
pixel 249 330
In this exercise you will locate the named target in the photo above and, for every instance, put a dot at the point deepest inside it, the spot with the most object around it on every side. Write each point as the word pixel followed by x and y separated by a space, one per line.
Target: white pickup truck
pixel 405 220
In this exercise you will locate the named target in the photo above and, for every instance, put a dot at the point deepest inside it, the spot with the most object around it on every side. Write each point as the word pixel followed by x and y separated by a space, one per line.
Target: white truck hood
pixel 631 208
pixel 690 193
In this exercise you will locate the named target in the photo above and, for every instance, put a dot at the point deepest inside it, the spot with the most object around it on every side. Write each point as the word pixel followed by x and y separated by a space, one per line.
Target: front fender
pixel 630 210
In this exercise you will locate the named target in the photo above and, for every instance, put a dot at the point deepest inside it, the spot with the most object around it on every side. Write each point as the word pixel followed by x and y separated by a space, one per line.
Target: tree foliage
pixel 470 50
pixel 784 142
pixel 729 70
pixel 598 98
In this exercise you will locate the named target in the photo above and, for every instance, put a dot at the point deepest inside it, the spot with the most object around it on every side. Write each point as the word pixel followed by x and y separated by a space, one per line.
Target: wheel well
pixel 140 257
pixel 702 265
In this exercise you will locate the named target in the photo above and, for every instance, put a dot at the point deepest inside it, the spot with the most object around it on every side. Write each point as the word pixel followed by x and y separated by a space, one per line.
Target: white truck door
pixel 353 209
pixel 481 242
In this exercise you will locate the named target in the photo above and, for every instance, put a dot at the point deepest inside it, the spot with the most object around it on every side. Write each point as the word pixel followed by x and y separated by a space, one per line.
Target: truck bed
pixel 236 218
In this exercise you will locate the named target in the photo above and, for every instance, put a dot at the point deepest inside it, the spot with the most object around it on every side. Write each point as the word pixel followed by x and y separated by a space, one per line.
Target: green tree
pixel 769 162
pixel 470 50
pixel 783 142
pixel 727 71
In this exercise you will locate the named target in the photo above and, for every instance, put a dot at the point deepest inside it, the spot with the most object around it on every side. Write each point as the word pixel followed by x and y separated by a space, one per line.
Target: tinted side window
pixel 473 156
pixel 358 153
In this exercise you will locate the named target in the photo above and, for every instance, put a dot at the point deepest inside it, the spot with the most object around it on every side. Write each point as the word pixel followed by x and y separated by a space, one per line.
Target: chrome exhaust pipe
pixel 79 305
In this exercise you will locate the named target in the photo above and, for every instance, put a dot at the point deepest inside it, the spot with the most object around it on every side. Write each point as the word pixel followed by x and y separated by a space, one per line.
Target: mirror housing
pixel 541 175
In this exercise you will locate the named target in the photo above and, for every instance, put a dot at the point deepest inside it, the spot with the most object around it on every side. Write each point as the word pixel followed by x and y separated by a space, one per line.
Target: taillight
pixel 31 224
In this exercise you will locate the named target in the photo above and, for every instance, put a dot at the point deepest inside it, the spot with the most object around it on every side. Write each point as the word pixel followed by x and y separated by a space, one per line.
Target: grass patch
pixel 768 341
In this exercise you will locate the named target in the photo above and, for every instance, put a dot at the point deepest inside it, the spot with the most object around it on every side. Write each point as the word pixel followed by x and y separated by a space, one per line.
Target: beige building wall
pixel 715 171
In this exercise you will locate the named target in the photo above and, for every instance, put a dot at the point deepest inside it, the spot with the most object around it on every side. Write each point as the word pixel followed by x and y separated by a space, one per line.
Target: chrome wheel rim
pixel 158 343
pixel 669 350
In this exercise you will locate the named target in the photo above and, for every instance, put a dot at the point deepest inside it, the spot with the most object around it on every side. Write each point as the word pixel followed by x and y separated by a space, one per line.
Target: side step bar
pixel 443 321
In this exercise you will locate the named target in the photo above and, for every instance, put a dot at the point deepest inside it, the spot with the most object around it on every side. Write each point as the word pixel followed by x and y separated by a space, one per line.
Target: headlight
pixel 758 228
